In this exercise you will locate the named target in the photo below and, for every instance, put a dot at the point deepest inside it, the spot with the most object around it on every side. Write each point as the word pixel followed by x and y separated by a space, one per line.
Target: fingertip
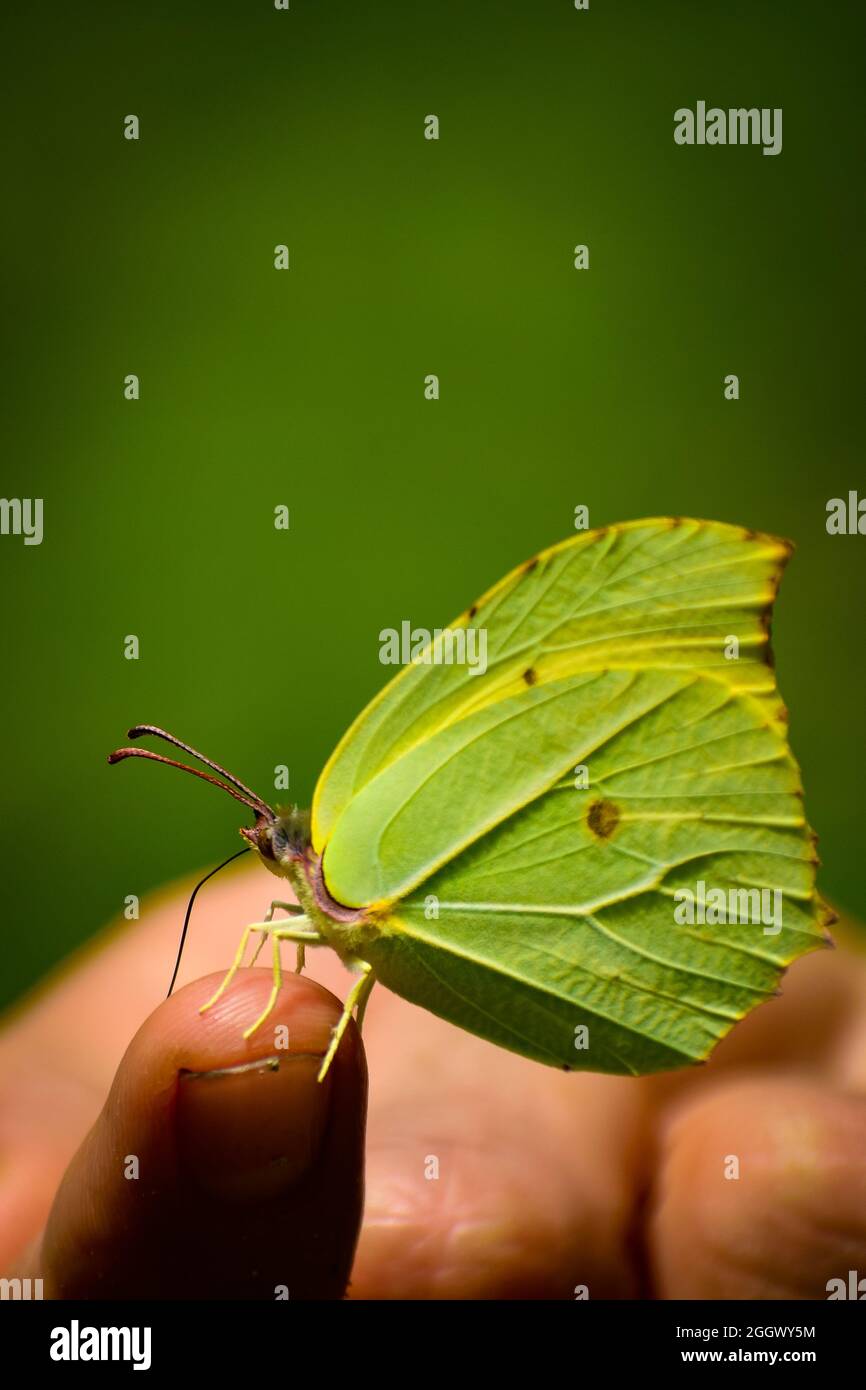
pixel 206 1132
pixel 760 1192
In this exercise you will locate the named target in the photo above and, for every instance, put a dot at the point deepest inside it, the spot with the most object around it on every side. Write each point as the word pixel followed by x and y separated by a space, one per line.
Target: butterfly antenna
pixel 253 802
pixel 189 906
pixel 141 729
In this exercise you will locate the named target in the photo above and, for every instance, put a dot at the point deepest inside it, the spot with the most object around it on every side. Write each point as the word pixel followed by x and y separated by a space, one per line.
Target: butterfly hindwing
pixel 562 918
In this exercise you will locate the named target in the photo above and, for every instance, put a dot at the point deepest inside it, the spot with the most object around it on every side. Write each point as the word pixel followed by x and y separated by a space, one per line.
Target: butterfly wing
pixel 521 903
pixel 563 917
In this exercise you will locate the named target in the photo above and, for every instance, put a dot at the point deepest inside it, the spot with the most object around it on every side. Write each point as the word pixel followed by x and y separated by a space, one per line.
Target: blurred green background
pixel 306 387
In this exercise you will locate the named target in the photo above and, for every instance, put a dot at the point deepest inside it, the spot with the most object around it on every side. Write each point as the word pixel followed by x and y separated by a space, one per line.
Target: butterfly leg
pixel 357 996
pixel 278 934
pixel 266 928
pixel 277 985
pixel 302 940
pixel 234 968
pixel 363 996
pixel 294 909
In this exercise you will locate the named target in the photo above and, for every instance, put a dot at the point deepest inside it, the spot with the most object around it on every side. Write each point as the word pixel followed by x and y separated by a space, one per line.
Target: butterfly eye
pixel 279 841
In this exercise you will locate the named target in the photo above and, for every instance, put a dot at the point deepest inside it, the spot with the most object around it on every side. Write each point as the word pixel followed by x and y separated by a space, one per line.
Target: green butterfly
pixel 511 847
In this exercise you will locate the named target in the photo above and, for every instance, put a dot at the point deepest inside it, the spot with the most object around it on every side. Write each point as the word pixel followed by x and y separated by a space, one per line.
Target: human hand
pixel 488 1176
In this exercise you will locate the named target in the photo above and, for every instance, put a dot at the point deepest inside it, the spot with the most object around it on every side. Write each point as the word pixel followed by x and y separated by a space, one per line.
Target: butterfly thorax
pixel 284 847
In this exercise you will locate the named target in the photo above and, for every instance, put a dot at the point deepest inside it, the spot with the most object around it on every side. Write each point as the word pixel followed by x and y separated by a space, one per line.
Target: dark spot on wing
pixel 472 611
pixel 530 565
pixel 530 676
pixel 602 819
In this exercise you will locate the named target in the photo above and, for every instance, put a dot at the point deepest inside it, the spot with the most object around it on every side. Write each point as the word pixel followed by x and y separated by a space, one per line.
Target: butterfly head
pixel 279 836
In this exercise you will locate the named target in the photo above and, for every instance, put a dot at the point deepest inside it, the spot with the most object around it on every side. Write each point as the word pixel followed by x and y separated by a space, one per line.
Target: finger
pixel 219 1168
pixel 82 1017
pixel 761 1193
pixel 60 1048
pixel 489 1176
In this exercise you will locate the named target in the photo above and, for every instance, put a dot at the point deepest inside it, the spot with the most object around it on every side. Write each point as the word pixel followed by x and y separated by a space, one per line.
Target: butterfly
pixel 512 847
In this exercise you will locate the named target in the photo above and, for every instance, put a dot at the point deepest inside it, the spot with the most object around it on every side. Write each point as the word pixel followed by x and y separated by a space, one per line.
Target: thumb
pixel 219 1168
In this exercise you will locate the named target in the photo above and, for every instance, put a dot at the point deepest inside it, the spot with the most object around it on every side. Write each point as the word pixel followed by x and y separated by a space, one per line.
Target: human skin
pixel 251 1181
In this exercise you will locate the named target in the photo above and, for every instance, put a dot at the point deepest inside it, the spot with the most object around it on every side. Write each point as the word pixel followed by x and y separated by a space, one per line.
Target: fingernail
pixel 251 1131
